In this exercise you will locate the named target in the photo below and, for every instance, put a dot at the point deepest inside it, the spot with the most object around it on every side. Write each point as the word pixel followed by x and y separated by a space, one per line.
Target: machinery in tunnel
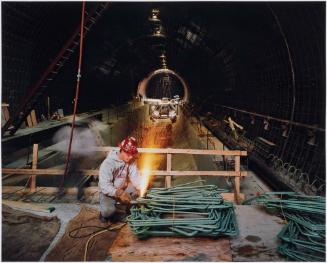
pixel 227 101
pixel 164 109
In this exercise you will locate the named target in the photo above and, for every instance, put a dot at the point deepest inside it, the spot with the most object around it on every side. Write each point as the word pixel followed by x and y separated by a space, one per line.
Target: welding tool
pixel 123 196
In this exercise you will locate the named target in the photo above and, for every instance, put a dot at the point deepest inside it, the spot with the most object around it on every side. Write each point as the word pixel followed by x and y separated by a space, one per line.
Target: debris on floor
pixel 127 247
pixel 26 236
pixel 79 230
pixel 257 240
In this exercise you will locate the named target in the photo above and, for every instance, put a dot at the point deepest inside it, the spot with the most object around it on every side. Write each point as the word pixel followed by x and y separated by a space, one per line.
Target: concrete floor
pixel 64 212
pixel 257 240
pixel 252 184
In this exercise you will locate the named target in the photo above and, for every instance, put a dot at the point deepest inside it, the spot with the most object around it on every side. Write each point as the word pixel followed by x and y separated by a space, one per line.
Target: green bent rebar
pixel 183 211
pixel 303 237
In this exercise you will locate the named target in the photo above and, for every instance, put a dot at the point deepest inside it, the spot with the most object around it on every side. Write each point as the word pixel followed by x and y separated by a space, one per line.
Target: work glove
pixel 123 197
pixel 134 195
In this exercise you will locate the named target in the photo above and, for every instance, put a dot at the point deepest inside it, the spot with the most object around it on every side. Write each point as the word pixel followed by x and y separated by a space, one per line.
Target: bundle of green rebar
pixel 183 211
pixel 303 237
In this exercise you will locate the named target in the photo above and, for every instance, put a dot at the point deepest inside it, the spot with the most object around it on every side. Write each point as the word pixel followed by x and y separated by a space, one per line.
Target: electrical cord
pixel 119 226
pixel 86 235
pixel 93 234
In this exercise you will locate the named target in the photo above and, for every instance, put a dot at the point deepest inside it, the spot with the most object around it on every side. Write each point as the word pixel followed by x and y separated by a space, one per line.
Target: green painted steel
pixel 183 211
pixel 303 237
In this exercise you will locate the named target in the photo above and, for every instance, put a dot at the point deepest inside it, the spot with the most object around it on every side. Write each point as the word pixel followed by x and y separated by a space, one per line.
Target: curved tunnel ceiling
pixel 263 57
pixel 236 57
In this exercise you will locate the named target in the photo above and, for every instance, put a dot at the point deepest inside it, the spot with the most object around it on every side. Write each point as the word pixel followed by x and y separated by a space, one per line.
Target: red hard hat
pixel 129 145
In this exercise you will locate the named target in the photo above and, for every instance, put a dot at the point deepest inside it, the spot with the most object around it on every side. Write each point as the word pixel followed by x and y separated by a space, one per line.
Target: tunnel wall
pixel 203 162
pixel 130 118
pixel 183 133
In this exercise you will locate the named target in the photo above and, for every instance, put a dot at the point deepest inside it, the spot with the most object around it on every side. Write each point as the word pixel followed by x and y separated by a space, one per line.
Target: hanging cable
pixel 76 97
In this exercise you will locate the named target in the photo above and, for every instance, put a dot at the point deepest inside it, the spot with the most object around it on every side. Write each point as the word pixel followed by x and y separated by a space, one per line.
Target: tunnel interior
pixel 226 101
pixel 262 63
pixel 164 85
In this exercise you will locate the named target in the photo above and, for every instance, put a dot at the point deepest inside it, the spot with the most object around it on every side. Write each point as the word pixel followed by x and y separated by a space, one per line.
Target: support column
pixel 34 166
pixel 237 189
pixel 168 178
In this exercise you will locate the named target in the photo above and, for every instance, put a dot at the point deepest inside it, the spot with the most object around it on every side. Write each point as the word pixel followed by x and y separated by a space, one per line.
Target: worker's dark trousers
pixel 108 204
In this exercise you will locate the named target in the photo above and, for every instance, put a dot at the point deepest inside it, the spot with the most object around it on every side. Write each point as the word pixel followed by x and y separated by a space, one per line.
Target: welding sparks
pixel 145 180
pixel 150 162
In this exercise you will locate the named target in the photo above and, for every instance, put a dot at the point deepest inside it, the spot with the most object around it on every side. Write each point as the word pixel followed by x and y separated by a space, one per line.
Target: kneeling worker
pixel 116 171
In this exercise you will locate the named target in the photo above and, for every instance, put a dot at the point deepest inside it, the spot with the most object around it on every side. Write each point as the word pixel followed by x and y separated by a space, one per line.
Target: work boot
pixel 103 219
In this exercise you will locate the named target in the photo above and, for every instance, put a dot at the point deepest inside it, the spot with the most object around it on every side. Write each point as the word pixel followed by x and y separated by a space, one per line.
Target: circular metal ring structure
pixel 142 87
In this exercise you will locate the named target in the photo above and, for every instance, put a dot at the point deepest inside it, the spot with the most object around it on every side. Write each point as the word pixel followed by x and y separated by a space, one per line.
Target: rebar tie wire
pixel 183 211
pixel 303 237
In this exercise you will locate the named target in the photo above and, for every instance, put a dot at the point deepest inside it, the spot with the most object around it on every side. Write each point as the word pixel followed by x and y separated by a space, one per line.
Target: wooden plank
pixel 168 178
pixel 231 197
pixel 29 121
pixel 266 141
pixel 127 247
pixel 34 166
pixel 237 189
pixel 33 117
pixel 96 172
pixel 3 119
pixel 45 171
pixel 177 151
pixel 198 173
pixel 51 190
pixel 6 176
pixel 5 113
pixel 12 189
pixel 87 191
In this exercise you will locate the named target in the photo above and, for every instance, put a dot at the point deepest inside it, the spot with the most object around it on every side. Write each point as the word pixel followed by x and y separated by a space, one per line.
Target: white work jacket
pixel 115 173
